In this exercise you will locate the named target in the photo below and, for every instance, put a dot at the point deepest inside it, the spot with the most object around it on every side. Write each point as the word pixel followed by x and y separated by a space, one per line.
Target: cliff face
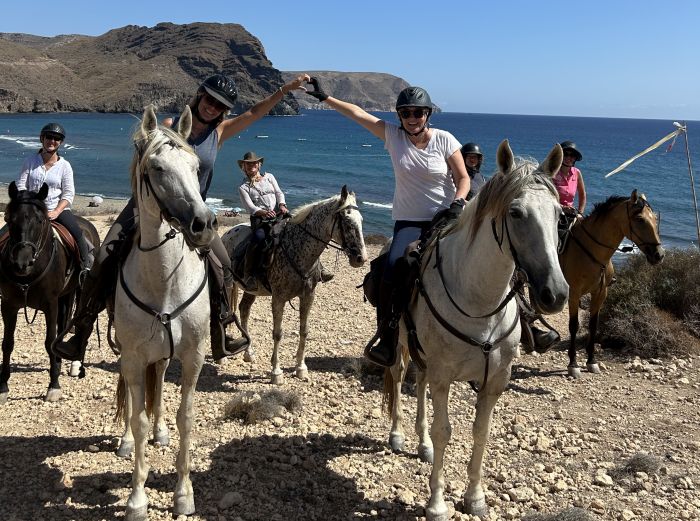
pixel 370 90
pixel 127 68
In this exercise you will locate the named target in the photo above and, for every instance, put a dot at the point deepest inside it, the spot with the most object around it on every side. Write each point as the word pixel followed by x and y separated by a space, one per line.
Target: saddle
pixel 266 250
pixel 566 223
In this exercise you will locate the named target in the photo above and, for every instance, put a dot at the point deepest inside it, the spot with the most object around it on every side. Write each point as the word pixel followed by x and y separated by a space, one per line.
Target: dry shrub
pixel 252 407
pixel 570 514
pixel 640 462
pixel 655 310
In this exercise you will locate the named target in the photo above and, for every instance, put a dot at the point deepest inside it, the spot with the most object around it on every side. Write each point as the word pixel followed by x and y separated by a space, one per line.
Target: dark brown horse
pixel 36 271
pixel 586 263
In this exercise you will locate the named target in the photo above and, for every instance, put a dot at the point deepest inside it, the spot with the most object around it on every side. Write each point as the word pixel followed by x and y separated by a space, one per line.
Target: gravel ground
pixel 556 443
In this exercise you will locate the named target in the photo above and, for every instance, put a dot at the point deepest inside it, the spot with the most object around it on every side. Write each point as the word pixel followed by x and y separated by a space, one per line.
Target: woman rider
pixel 210 105
pixel 46 166
pixel 429 176
pixel 471 153
pixel 569 180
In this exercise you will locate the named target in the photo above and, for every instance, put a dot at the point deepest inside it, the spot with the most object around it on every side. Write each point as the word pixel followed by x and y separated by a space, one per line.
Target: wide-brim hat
pixel 250 157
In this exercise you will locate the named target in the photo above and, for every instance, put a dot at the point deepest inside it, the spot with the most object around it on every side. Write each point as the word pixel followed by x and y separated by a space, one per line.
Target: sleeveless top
pixel 206 146
pixel 566 185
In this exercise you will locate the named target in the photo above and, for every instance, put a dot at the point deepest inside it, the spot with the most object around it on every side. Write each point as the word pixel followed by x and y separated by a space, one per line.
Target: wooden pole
pixel 692 181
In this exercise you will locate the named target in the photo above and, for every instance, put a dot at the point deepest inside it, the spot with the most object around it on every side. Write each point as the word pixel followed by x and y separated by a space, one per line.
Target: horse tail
pixel 151 382
pixel 121 400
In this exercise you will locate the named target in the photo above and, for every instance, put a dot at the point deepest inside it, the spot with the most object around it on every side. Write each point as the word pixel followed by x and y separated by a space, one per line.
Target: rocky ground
pixel 624 444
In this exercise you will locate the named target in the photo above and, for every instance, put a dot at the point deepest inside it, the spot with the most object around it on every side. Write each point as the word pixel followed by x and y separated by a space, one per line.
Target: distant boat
pixel 261 136
pixel 301 139
pixel 366 145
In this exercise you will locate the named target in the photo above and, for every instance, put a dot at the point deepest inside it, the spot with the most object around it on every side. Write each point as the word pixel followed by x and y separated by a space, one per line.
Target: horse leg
pixel 244 308
pixel 137 504
pixel 126 443
pixel 277 315
pixel 184 495
pixel 425 444
pixel 9 319
pixel 160 430
pixel 440 433
pixel 474 499
pixel 305 303
pixel 65 305
pixel 54 392
pixel 393 378
pixel 573 368
pixel 596 304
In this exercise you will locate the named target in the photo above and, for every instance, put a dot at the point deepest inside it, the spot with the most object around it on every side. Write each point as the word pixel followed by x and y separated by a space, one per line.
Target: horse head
pixel 164 178
pixel 529 222
pixel 348 231
pixel 28 226
pixel 644 228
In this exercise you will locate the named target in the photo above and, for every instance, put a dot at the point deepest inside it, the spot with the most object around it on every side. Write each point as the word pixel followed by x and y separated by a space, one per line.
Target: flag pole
pixel 692 181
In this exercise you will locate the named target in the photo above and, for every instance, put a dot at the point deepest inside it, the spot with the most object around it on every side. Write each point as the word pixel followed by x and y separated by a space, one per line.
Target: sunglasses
pixel 569 154
pixel 215 102
pixel 53 137
pixel 416 113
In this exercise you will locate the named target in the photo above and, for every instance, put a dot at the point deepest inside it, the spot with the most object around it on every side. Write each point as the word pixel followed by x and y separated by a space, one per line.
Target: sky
pixel 614 58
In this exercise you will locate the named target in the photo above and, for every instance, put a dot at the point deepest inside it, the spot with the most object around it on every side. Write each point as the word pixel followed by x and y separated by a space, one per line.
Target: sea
pixel 314 154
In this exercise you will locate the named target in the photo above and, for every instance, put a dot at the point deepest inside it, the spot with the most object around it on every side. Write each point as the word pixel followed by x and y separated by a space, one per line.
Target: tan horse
pixel 586 259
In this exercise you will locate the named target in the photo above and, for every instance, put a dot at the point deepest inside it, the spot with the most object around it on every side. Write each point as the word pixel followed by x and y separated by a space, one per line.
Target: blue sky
pixel 616 58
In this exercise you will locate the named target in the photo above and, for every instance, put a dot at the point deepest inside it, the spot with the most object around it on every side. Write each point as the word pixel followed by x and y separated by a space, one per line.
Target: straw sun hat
pixel 250 157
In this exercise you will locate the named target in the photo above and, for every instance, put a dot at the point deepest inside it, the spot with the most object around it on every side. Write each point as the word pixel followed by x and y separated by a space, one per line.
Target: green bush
pixel 655 310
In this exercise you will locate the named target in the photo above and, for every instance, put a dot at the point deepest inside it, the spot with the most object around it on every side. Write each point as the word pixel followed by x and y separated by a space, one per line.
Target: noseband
pixel 331 243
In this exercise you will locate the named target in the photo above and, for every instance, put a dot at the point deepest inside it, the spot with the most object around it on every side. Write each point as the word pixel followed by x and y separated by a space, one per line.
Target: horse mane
pixel 499 191
pixel 603 208
pixel 154 141
pixel 303 212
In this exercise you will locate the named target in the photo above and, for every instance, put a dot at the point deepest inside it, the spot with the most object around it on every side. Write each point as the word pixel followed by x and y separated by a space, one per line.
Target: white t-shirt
pixel 423 183
pixel 59 178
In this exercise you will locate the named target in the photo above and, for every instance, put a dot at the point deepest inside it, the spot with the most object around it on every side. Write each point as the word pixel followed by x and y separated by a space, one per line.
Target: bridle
pixel 37 248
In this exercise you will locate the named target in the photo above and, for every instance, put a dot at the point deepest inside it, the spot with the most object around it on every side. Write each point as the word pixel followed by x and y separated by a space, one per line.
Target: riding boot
pixel 543 339
pixel 223 345
pixel 384 352
pixel 86 259
pixel 90 303
pixel 250 266
pixel 326 275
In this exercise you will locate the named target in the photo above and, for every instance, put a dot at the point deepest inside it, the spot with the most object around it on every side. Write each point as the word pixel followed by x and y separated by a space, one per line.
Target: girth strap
pixel 162 317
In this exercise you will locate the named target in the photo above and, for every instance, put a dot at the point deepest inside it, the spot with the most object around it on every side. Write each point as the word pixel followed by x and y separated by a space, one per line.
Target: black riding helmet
pixel 570 145
pixel 221 88
pixel 414 97
pixel 471 148
pixel 54 128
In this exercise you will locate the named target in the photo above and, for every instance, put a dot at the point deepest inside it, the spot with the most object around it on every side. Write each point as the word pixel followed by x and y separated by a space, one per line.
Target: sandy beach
pixel 556 443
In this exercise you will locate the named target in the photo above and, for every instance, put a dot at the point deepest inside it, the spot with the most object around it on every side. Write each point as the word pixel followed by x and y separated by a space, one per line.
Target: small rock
pixel 603 480
pixel 93 448
pixel 230 499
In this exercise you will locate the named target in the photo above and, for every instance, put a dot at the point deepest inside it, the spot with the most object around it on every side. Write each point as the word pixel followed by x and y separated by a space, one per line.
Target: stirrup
pixel 374 347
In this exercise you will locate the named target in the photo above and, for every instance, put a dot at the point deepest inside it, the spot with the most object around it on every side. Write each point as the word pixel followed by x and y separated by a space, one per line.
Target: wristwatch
pixel 461 202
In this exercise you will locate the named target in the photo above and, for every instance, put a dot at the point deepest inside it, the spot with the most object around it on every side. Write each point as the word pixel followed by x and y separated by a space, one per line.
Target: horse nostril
pixel 198 225
pixel 547 297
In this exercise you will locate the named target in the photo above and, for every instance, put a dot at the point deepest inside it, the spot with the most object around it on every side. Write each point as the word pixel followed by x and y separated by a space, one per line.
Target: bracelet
pixel 282 92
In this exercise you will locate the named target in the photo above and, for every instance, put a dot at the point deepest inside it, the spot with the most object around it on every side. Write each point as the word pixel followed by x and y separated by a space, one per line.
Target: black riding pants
pixel 68 220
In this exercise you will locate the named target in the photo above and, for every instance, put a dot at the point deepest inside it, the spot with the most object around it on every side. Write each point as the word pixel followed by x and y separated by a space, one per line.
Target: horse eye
pixel 516 213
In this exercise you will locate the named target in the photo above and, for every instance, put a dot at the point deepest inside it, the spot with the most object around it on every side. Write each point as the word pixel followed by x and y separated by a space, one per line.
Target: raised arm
pixel 230 127
pixel 581 190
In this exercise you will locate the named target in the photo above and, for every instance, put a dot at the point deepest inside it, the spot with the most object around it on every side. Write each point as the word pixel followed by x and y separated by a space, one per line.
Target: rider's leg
pixel 68 220
pixel 252 257
pixel 97 285
pixel 390 292
pixel 222 345
pixel 326 274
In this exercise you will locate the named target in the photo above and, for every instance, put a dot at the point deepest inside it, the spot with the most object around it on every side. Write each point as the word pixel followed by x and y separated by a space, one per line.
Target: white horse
pixel 464 314
pixel 294 271
pixel 162 299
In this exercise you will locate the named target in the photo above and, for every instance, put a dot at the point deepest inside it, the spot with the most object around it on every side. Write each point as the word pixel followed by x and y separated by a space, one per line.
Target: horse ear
pixel 504 157
pixel 343 194
pixel 184 124
pixel 633 197
pixel 149 122
pixel 552 163
pixel 43 191
pixel 12 190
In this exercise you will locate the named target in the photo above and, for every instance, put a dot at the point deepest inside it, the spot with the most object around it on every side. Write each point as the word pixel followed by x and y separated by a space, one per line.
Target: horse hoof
pixel 161 439
pixel 136 514
pixel 74 370
pixel 396 442
pixel 593 368
pixel 477 508
pixel 126 448
pixel 184 505
pixel 53 395
pixel 249 357
pixel 425 453
pixel 575 372
pixel 440 513
pixel 3 398
pixel 302 374
pixel 277 379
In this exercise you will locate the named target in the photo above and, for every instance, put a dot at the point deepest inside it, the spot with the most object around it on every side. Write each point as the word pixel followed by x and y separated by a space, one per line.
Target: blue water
pixel 314 154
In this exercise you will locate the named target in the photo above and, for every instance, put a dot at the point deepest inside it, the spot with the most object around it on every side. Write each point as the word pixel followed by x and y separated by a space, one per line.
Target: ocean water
pixel 314 154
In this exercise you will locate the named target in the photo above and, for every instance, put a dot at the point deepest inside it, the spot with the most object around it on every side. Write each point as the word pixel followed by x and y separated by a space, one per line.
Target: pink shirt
pixel 566 185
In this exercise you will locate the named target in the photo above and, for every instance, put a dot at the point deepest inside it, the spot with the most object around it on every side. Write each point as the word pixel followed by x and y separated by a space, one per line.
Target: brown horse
pixel 586 263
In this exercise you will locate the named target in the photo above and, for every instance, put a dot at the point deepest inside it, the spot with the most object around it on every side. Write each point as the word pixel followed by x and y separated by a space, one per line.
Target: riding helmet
pixel 222 88
pixel 570 145
pixel 55 128
pixel 471 148
pixel 414 97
